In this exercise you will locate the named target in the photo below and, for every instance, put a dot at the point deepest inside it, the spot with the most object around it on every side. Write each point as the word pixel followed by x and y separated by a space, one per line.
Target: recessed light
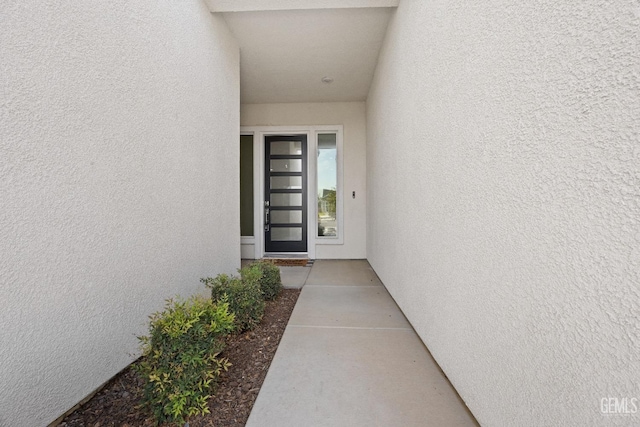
pixel 327 80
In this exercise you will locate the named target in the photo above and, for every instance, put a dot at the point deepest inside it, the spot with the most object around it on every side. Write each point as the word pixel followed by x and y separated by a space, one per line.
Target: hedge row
pixel 181 361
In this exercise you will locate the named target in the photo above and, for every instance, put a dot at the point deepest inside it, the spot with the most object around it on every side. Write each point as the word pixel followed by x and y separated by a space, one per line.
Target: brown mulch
pixel 288 262
pixel 119 403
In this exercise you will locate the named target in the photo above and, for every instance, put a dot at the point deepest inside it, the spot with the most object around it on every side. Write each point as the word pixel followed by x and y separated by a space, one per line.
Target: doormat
pixel 289 262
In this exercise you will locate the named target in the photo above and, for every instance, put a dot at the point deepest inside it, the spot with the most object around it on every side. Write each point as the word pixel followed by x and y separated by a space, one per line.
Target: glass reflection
pixel 286 217
pixel 279 199
pixel 286 147
pixel 285 165
pixel 286 182
pixel 286 234
pixel 327 185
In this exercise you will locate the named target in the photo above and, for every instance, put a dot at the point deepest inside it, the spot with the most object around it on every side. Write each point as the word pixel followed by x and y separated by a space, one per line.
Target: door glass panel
pixel 294 199
pixel 286 165
pixel 286 182
pixel 286 147
pixel 286 234
pixel 327 185
pixel 286 217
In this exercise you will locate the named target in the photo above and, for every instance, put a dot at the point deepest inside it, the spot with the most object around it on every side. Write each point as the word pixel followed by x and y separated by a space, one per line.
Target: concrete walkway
pixel 350 358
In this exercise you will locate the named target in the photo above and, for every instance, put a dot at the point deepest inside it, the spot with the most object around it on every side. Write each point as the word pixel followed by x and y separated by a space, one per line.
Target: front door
pixel 285 196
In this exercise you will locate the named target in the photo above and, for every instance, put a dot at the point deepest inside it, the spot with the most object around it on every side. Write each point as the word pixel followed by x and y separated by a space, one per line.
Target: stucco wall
pixel 352 116
pixel 504 200
pixel 117 121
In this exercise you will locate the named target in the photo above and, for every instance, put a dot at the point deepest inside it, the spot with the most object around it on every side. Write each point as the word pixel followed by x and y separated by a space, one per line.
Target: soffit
pixel 258 5
pixel 284 54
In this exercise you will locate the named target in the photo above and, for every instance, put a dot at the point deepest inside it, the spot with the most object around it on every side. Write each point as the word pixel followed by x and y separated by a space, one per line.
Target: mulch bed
pixel 119 402
pixel 289 262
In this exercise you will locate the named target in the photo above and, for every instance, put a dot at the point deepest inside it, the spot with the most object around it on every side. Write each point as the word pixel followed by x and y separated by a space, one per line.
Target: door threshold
pixel 292 255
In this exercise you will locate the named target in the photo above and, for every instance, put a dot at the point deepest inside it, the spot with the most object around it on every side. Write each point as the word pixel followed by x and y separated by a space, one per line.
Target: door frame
pixel 259 133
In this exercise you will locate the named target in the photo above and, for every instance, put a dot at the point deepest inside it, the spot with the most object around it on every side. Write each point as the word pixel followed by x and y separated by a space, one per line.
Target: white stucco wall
pixel 503 182
pixel 352 116
pixel 117 122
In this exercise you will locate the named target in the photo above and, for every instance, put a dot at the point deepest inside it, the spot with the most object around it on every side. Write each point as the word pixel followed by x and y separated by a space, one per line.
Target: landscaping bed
pixel 119 403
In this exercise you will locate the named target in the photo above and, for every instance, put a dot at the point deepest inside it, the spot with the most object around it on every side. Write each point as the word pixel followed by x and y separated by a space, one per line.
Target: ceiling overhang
pixel 262 5
pixel 294 51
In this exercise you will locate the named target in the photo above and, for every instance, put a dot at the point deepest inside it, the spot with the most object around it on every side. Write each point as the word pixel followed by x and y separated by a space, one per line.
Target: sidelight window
pixel 327 186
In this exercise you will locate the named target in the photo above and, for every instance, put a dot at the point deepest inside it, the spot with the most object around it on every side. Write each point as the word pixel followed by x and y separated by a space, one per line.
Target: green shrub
pixel 244 297
pixel 270 282
pixel 251 274
pixel 180 363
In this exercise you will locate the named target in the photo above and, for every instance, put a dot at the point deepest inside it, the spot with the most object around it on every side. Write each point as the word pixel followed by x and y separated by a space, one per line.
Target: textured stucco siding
pixel 503 183
pixel 119 126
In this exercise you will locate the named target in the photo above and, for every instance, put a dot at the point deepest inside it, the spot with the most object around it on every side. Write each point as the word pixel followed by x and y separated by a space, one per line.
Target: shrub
pixel 270 282
pixel 180 363
pixel 244 297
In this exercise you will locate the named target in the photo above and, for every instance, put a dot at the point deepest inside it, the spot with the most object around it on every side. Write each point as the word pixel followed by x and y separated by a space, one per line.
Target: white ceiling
pixel 284 54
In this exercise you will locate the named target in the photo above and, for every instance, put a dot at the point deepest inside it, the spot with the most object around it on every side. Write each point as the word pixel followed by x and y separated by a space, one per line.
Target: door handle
pixel 266 216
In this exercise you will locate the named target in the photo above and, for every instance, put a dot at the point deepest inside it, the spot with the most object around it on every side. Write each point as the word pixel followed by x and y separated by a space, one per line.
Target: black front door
pixel 285 196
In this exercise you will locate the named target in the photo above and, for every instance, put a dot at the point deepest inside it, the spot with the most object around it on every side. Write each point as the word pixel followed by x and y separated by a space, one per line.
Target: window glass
pixel 286 182
pixel 285 199
pixel 286 234
pixel 286 165
pixel 286 147
pixel 286 217
pixel 246 185
pixel 327 185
